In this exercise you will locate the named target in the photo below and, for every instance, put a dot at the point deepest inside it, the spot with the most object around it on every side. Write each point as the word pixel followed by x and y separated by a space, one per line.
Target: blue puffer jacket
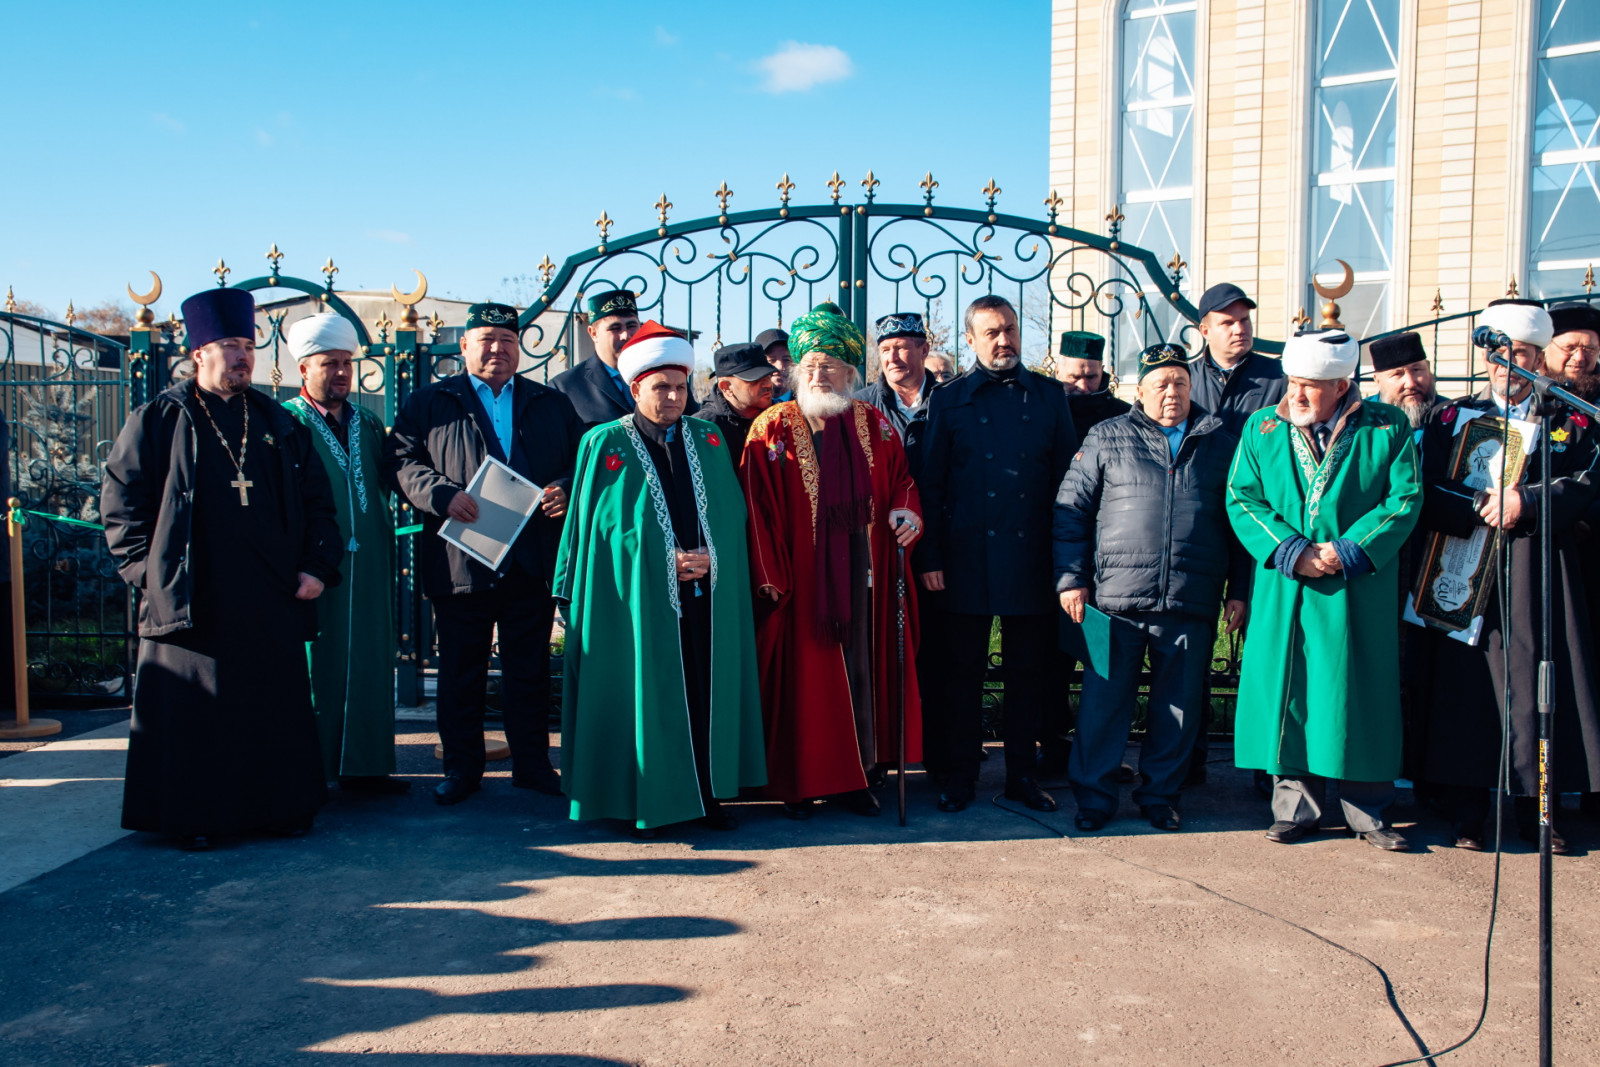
pixel 1145 532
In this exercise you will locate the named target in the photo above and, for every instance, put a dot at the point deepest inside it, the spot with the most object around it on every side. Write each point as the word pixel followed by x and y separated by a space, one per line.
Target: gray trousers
pixel 1301 800
pixel 1180 651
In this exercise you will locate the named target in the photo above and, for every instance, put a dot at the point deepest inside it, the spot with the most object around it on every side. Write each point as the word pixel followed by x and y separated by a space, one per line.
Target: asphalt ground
pixel 498 931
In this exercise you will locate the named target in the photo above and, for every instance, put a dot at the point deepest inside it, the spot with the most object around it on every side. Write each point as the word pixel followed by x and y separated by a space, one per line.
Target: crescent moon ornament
pixel 414 297
pixel 1330 310
pixel 144 317
pixel 148 298
pixel 1337 291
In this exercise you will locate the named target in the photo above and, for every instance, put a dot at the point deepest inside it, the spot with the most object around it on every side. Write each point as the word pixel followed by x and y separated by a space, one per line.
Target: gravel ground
pixel 497 931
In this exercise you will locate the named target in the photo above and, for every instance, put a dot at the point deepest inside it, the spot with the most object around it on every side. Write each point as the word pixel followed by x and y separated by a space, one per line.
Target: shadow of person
pixel 262 955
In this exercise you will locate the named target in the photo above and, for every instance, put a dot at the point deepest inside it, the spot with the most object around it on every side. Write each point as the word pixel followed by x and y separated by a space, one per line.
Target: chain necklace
pixel 240 483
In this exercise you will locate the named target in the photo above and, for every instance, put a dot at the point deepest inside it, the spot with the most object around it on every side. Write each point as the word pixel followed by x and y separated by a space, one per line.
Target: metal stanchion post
pixel 20 726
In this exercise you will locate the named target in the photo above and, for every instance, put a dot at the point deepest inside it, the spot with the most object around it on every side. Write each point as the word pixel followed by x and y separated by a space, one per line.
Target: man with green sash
pixel 1324 491
pixel 661 706
pixel 352 659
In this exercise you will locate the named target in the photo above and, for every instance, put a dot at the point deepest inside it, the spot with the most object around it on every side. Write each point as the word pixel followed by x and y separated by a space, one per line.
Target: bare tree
pixel 110 318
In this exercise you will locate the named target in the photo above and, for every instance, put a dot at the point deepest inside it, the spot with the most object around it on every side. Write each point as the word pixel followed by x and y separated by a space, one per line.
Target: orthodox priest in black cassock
pixel 1459 687
pixel 218 512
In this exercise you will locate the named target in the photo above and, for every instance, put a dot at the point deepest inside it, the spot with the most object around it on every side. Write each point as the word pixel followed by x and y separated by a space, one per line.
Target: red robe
pixel 812 747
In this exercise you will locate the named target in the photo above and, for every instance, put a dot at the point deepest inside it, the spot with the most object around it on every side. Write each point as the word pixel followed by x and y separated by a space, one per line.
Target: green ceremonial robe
pixel 626 745
pixel 352 666
pixel 1319 686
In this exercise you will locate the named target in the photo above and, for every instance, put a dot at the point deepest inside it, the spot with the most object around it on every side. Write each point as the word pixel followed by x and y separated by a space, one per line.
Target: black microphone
pixel 1490 338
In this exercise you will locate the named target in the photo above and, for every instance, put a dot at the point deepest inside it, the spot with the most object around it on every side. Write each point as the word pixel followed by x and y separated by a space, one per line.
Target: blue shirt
pixel 1174 436
pixel 499 409
pixel 616 379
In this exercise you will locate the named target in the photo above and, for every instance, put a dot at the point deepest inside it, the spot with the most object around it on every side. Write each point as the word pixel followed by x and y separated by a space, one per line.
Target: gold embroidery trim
pixel 805 453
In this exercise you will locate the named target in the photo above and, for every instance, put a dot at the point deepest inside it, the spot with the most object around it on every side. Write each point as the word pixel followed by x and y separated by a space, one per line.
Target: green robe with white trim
pixel 626 745
pixel 352 666
pixel 1319 686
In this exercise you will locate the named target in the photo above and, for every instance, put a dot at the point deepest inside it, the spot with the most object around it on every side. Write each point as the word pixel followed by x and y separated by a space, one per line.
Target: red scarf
pixel 845 504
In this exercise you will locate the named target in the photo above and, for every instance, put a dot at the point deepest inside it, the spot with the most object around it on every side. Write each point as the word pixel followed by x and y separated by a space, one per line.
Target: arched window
pixel 1353 109
pixel 1156 161
pixel 1564 188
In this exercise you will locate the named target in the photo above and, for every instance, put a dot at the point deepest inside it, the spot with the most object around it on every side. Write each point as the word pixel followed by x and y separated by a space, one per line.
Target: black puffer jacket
pixel 1145 533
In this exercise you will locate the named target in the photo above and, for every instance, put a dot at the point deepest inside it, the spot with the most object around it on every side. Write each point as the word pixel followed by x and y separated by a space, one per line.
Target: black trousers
pixel 522 607
pixel 954 734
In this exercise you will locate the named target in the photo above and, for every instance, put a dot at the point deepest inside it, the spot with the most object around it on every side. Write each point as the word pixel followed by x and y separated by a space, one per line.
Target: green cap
pixel 825 329
pixel 503 316
pixel 612 302
pixel 1081 344
pixel 1165 354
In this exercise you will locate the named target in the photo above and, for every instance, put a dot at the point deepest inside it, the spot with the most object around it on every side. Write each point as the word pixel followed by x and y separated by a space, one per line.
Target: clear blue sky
pixel 471 139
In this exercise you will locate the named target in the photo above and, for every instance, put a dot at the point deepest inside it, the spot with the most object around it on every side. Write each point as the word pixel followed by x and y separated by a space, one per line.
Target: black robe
pixel 1459 687
pixel 223 737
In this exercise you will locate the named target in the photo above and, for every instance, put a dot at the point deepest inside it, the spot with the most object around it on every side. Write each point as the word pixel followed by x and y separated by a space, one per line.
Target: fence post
pixel 20 725
pixel 403 362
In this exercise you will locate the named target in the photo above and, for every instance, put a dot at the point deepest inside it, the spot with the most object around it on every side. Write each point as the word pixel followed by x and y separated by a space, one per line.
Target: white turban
pixel 323 333
pixel 1528 323
pixel 654 347
pixel 1321 355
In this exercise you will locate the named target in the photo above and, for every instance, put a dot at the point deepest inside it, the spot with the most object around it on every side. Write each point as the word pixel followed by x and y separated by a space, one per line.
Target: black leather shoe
pixel 957 794
pixel 1469 836
pixel 1089 820
pixel 1162 816
pixel 800 811
pixel 195 843
pixel 1287 833
pixel 861 802
pixel 374 783
pixel 543 779
pixel 718 819
pixel 1027 791
pixel 1385 839
pixel 454 790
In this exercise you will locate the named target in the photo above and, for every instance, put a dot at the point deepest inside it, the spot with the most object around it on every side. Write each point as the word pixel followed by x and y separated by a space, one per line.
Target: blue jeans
pixel 1179 648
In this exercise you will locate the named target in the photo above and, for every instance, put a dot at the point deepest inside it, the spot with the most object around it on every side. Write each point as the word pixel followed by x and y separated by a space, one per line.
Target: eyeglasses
pixel 1578 350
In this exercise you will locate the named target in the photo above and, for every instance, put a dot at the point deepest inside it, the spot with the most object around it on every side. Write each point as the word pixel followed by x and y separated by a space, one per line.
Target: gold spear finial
pixel 663 206
pixel 722 193
pixel 273 256
pixel 870 184
pixel 1511 289
pixel 11 301
pixel 1437 308
pixel 784 187
pixel 604 224
pixel 221 270
pixel 1053 202
pixel 71 316
pixel 328 271
pixel 1588 279
pixel 435 323
pixel 546 269
pixel 835 183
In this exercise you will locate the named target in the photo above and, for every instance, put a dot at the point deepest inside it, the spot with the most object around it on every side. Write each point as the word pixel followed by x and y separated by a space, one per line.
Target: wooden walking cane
pixel 900 643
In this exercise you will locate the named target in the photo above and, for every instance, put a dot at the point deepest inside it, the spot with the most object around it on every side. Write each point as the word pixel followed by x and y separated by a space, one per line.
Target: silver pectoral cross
pixel 243 485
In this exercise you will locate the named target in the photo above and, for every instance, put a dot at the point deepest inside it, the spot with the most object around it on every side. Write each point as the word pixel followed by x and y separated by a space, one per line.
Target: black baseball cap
pixel 747 362
pixel 1220 296
pixel 767 338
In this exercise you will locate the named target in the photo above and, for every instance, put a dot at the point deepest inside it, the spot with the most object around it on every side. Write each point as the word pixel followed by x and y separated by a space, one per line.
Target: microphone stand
pixel 1545 388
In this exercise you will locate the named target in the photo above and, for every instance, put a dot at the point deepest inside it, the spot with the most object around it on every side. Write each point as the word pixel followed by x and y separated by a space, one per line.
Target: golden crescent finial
pixel 1337 291
pixel 152 296
pixel 415 296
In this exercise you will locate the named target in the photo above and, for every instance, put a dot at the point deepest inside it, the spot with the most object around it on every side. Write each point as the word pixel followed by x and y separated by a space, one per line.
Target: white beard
pixel 815 405
pixel 1304 420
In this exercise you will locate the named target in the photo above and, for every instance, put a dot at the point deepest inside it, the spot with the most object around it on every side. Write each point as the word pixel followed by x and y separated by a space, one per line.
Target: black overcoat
pixel 1459 687
pixel 441 437
pixel 993 456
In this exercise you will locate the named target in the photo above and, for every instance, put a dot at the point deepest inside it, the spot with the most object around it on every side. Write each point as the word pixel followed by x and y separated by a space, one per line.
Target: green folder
pixel 1089 641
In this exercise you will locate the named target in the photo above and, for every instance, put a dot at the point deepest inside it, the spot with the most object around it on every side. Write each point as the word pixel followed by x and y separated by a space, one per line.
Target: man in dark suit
pixel 596 390
pixel 440 438
pixel 998 442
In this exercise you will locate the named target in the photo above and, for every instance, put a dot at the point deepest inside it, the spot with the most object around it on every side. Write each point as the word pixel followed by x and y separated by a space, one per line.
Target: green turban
pixel 825 329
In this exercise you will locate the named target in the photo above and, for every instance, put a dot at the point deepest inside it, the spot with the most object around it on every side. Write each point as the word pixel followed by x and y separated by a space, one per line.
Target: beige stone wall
pixel 1462 157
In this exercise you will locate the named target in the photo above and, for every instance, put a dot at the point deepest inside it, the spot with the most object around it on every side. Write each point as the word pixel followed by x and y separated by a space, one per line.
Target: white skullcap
pixel 1528 323
pixel 1322 355
pixel 323 333
pixel 654 347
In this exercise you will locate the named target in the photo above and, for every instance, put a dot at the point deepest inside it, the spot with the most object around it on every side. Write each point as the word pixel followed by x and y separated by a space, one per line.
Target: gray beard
pixel 814 405
pixel 1416 412
pixel 1304 420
